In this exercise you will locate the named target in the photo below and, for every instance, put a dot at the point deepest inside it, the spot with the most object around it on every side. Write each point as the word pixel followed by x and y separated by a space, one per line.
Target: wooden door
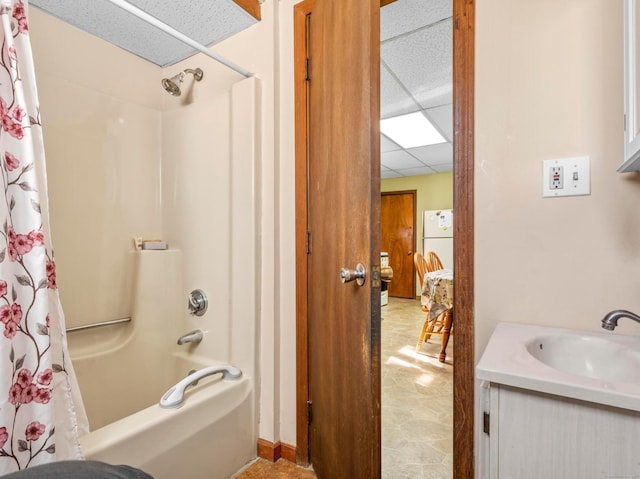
pixel 343 229
pixel 463 74
pixel 398 218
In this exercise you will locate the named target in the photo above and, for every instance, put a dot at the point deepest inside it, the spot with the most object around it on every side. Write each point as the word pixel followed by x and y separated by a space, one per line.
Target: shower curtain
pixel 41 415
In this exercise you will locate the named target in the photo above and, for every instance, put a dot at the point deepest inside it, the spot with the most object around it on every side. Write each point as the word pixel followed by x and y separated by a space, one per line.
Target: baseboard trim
pixel 288 452
pixel 274 451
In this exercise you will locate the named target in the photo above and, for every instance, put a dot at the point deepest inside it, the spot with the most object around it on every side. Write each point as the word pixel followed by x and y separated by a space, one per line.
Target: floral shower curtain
pixel 41 415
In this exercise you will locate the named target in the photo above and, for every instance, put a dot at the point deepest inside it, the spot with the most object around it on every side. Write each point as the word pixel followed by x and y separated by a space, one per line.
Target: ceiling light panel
pixel 410 131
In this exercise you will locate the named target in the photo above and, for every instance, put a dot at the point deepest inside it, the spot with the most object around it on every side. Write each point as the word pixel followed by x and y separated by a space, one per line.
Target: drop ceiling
pixel 205 21
pixel 416 56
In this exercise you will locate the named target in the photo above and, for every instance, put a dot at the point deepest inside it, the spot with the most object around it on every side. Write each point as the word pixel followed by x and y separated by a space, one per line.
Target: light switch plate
pixel 575 177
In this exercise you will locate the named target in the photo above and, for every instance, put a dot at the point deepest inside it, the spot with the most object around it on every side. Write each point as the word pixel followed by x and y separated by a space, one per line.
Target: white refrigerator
pixel 437 234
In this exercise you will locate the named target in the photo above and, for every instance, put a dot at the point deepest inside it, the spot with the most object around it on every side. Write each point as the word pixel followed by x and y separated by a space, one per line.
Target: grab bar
pixel 98 325
pixel 174 397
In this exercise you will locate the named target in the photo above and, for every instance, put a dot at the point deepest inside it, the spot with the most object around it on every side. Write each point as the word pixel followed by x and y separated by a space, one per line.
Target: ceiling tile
pixel 425 170
pixel 407 15
pixel 387 145
pixel 442 119
pixel 205 21
pixel 422 62
pixel 396 160
pixel 393 99
pixel 443 168
pixel 390 174
pixel 434 154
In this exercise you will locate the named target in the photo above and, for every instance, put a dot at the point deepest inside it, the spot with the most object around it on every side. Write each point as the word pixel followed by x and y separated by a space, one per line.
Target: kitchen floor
pixel 417 404
pixel 417 398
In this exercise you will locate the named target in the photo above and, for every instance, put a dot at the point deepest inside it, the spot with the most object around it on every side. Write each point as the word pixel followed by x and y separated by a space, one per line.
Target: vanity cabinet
pixel 533 435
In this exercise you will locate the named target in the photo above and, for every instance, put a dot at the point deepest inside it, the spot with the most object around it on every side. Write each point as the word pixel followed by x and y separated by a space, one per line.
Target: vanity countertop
pixel 508 360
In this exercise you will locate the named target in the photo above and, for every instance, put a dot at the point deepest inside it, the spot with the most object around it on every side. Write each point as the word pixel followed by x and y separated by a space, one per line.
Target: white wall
pixel 549 85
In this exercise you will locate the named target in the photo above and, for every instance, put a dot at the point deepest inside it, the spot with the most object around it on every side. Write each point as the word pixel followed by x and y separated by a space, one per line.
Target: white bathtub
pixel 210 437
pixel 124 369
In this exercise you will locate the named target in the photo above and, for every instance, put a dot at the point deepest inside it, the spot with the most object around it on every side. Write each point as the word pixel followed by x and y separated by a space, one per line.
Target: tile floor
pixel 417 405
pixel 262 469
pixel 417 398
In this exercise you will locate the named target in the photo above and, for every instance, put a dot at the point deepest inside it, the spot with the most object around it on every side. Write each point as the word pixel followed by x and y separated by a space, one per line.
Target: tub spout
pixel 174 397
pixel 192 337
pixel 610 320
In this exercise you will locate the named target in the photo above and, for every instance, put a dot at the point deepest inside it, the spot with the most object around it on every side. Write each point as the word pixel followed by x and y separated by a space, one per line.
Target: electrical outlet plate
pixel 566 177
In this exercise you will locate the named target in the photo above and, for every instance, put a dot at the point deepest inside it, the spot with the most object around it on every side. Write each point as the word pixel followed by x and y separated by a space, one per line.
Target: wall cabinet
pixel 533 435
pixel 631 88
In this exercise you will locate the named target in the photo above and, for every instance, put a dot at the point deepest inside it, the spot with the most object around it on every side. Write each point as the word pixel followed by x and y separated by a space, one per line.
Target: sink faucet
pixel 610 320
pixel 192 337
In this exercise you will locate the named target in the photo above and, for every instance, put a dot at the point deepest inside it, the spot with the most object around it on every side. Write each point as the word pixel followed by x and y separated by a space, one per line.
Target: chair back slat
pixel 421 266
pixel 433 262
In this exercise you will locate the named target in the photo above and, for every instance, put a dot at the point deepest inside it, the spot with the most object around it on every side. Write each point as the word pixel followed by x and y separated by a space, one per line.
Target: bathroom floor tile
pixel 280 469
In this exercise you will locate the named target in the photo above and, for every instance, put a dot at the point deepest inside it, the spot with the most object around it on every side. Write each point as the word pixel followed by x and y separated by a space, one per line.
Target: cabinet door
pixel 631 88
pixel 536 435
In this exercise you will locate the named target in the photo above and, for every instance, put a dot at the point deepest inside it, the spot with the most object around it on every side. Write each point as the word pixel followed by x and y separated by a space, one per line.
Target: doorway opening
pixel 463 62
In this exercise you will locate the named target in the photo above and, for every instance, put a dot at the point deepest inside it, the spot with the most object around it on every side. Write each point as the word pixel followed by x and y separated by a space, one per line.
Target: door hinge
pixel 309 412
pixel 307 68
pixel 308 242
pixel 486 423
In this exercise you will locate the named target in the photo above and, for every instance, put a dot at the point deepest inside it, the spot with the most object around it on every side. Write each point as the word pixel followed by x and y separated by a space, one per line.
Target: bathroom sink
pixel 587 356
pixel 595 366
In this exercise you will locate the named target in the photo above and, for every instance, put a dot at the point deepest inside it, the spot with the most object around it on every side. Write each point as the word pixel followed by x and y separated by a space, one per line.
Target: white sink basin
pixel 596 366
pixel 587 356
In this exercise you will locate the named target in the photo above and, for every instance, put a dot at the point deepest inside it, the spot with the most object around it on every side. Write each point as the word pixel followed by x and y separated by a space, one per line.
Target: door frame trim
pixel 463 237
pixel 414 194
pixel 300 12
pixel 463 172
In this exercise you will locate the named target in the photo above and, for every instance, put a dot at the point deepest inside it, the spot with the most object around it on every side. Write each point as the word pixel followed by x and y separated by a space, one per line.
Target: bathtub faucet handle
pixel 191 337
pixel 198 302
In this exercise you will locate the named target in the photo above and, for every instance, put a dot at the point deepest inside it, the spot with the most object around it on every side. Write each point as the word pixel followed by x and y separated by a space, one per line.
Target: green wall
pixel 434 192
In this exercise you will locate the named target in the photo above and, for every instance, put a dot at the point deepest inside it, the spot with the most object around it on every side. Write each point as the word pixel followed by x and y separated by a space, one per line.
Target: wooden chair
pixel 433 262
pixel 442 324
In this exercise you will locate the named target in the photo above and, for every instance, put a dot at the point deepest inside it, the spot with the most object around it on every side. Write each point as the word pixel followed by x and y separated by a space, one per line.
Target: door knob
pixel 409 253
pixel 358 274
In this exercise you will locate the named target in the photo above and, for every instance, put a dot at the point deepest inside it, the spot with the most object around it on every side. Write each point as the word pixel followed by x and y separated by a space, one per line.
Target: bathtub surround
pixel 186 170
pixel 115 358
pixel 137 364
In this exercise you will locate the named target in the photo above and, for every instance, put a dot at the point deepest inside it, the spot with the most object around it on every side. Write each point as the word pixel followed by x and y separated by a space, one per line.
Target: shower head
pixel 172 85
